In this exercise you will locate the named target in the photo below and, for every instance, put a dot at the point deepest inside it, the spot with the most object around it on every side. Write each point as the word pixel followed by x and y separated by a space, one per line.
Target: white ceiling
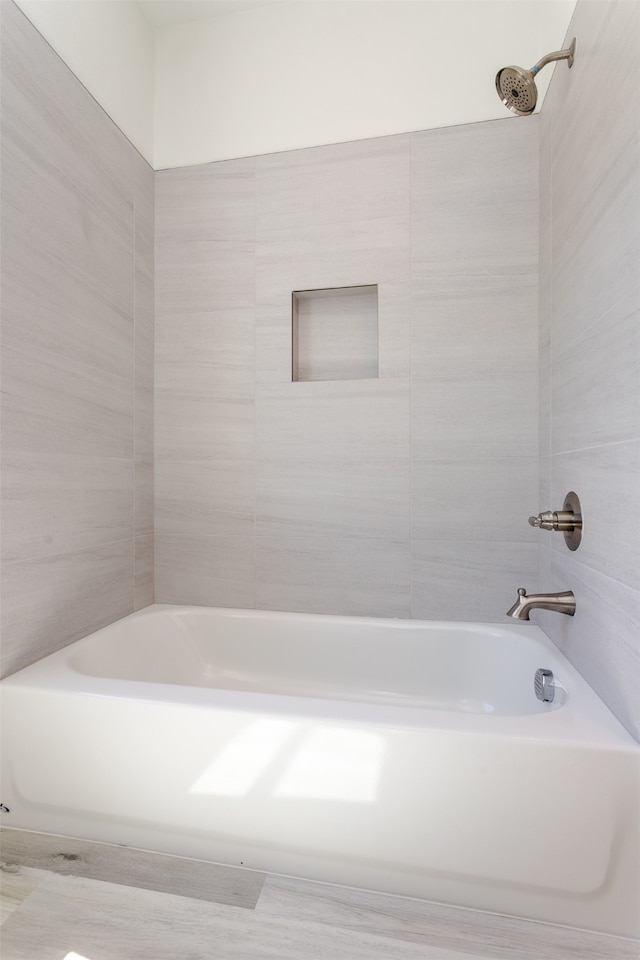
pixel 162 13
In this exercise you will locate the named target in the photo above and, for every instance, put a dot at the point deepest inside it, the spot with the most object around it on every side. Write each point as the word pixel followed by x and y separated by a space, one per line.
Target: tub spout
pixel 560 602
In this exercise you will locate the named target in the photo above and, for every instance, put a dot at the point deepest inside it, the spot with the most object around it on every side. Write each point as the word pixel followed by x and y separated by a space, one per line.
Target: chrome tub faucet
pixel 560 602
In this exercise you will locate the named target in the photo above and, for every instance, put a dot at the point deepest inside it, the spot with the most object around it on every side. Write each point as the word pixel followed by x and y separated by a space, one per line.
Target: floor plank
pixel 104 921
pixel 134 868
pixel 16 883
pixel 444 927
pixel 59 915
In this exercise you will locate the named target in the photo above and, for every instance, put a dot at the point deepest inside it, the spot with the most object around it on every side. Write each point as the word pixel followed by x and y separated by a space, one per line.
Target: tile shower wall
pixel 77 357
pixel 590 347
pixel 397 496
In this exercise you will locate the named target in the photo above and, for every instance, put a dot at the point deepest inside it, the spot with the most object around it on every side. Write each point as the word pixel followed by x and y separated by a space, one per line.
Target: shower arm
pixel 566 54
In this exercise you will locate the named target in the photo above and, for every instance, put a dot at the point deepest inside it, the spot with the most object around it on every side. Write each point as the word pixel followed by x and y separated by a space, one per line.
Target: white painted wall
pixel 109 47
pixel 298 73
pixel 312 72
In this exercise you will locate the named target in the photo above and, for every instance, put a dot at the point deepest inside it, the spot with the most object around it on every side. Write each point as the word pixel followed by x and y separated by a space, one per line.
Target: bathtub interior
pixel 462 667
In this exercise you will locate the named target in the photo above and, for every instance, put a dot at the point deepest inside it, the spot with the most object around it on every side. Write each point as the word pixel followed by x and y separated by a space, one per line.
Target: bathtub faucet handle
pixel 547 520
pixel 556 520
pixel 568 520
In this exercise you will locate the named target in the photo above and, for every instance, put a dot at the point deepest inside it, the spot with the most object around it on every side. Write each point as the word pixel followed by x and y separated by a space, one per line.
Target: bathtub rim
pixel 583 720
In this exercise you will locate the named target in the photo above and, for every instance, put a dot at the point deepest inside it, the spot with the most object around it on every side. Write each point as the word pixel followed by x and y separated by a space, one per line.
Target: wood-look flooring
pixel 56 914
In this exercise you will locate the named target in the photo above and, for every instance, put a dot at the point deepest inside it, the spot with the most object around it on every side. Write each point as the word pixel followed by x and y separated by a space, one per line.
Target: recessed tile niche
pixel 335 333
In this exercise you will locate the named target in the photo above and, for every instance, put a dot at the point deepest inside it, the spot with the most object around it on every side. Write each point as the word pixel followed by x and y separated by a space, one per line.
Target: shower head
pixel 517 87
pixel 517 90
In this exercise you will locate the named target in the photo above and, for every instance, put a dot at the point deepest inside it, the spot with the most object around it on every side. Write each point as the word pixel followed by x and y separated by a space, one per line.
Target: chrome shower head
pixel 517 87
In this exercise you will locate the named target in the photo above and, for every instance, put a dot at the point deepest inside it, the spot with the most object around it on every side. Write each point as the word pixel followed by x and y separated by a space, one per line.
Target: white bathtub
pixel 399 756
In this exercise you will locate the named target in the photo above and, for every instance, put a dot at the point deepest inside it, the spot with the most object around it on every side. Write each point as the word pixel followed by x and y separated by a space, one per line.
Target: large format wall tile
pixel 474 391
pixel 50 601
pixel 337 419
pixel 590 381
pixel 143 593
pixel 203 423
pixel 334 216
pixel 475 199
pixel 544 488
pixel 469 580
pixel 77 364
pixel 460 416
pixel 202 276
pixel 144 402
pixel 67 210
pixel 211 348
pixel 601 640
pixel 58 301
pixel 217 571
pixel 544 408
pixel 345 182
pixel 212 201
pixel 57 504
pixel 356 577
pixel 596 242
pixel 344 498
pixel 597 264
pixel 545 214
pixel 609 38
pixel 595 380
pixel 205 498
pixel 54 405
pixel 59 123
pixel 143 501
pixel 474 499
pixel 332 255
pixel 608 480
pixel 332 459
pixel 478 324
pixel 144 350
pixel 143 309
pixel 205 350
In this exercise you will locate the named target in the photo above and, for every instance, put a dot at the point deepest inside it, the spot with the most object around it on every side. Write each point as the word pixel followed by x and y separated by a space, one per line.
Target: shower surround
pixel 406 494
pixel 590 348
pixel 77 357
pixel 401 495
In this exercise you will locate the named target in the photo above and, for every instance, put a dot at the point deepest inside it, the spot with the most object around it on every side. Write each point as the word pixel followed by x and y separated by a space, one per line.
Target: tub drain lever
pixel 544 685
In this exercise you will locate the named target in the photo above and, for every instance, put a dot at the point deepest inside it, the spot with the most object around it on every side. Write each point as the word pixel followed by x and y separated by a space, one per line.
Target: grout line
pixel 48 557
pixel 135 378
pixel 558 553
pixel 49 356
pixel 254 459
pixel 593 447
pixel 584 333
pixel 411 457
